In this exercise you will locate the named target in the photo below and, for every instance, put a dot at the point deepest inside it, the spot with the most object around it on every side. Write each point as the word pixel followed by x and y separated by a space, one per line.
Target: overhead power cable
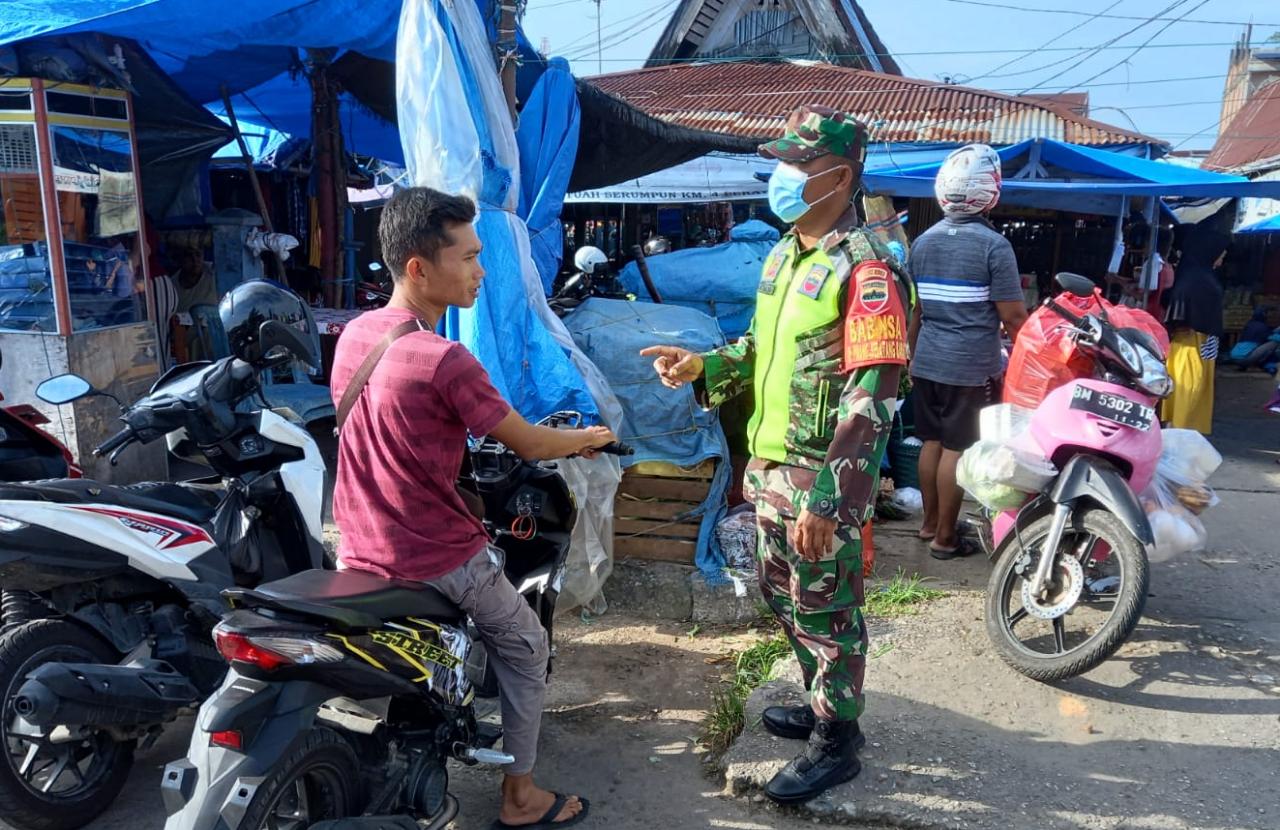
pixel 1077 12
pixel 1047 43
pixel 1140 47
pixel 1109 44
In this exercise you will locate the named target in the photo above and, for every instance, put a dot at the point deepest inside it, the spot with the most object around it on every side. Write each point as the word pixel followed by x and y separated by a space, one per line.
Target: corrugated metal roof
pixel 1252 140
pixel 753 99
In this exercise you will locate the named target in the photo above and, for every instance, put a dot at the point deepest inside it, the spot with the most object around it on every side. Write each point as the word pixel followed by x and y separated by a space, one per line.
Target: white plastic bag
pixel 1178 494
pixel 1187 457
pixel 908 499
pixel 1003 422
pixel 1000 475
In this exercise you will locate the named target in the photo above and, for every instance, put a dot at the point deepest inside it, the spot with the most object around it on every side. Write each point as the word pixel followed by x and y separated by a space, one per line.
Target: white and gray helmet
pixel 968 182
pixel 590 260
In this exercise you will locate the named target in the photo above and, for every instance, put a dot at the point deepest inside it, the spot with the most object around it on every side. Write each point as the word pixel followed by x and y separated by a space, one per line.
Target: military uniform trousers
pixel 819 604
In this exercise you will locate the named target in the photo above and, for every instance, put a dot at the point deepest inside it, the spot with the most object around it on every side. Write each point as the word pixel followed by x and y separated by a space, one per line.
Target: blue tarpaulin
pixel 250 46
pixel 1271 225
pixel 548 141
pixel 662 424
pixel 719 281
pixel 1054 175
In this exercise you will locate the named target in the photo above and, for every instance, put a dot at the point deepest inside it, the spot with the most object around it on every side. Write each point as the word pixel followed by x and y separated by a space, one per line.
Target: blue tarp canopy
pixel 252 47
pixel 1054 175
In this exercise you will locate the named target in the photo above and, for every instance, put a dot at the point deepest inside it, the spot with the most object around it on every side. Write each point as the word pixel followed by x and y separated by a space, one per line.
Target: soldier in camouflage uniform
pixel 824 355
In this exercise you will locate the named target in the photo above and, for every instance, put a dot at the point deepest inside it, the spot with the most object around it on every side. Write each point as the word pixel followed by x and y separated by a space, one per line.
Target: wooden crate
pixel 647 516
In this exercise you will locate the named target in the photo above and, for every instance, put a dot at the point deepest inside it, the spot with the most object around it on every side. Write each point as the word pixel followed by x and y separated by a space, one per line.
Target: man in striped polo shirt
pixel 968 284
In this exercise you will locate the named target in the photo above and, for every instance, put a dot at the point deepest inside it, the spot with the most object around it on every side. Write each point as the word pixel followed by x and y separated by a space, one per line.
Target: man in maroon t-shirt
pixel 401 448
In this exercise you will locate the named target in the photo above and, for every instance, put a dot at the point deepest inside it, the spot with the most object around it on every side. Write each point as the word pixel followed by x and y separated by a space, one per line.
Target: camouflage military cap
pixel 813 131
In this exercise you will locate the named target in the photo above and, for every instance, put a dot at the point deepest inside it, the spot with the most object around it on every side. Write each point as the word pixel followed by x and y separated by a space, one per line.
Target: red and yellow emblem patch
pixel 876 322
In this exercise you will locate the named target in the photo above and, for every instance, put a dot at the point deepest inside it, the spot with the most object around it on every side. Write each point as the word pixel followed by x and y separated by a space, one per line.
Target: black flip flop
pixel 966 547
pixel 548 820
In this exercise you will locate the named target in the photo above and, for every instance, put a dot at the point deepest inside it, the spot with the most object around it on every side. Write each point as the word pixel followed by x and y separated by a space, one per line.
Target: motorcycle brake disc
pixel 1068 584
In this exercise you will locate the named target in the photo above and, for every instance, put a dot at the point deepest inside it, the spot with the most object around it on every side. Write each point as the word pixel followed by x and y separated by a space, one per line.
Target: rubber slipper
pixel 548 820
pixel 967 547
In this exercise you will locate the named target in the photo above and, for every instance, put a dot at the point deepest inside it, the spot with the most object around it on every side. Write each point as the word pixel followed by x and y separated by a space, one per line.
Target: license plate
pixel 1113 407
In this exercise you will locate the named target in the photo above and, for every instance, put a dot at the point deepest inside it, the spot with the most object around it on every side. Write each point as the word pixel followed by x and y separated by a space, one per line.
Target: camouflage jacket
pixel 824 355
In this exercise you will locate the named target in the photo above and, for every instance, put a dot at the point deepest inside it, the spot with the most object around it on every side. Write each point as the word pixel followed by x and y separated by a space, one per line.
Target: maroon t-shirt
pixel 401 448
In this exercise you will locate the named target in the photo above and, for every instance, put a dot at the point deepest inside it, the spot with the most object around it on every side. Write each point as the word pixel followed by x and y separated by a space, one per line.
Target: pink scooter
pixel 1054 617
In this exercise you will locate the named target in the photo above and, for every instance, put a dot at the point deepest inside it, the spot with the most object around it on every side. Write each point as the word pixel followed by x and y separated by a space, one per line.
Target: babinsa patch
pixel 873 289
pixel 811 285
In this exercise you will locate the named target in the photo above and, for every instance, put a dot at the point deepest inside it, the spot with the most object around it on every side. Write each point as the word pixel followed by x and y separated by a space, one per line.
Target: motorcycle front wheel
pixel 47 782
pixel 1095 597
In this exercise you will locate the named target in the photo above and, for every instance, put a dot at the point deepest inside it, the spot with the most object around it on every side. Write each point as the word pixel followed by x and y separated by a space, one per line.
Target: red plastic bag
pixel 1045 355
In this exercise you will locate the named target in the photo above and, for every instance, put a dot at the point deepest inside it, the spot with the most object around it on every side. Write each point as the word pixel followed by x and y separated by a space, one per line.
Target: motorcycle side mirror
pixel 275 338
pixel 63 389
pixel 1075 284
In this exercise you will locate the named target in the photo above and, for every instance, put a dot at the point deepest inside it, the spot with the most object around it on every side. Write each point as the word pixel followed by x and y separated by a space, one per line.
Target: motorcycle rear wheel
pixel 1087 531
pixel 46 785
pixel 317 781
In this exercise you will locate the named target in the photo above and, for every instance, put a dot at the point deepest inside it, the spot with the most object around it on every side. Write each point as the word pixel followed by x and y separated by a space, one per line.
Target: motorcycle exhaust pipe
pixel 90 694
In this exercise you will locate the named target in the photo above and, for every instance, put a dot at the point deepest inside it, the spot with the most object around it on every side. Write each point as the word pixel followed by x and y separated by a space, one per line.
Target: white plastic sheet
pixel 590 562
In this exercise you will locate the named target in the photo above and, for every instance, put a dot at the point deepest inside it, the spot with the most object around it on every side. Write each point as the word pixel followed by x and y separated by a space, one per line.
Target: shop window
pixel 26 282
pixel 98 210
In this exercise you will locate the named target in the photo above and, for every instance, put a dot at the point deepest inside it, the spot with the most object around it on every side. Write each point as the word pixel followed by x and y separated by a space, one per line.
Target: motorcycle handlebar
pixel 618 448
pixel 115 442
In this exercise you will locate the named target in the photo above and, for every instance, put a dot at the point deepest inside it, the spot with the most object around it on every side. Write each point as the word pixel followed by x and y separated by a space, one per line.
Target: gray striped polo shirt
pixel 962 268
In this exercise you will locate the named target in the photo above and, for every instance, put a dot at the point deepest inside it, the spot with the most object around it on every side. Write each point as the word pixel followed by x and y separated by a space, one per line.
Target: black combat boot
pixel 796 722
pixel 830 759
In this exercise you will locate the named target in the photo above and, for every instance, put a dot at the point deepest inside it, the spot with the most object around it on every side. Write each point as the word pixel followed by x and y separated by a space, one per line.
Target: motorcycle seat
pixel 187 503
pixel 350 599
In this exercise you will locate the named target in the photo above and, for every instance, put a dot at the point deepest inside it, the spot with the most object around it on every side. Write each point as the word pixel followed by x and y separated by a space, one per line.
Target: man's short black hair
pixel 416 221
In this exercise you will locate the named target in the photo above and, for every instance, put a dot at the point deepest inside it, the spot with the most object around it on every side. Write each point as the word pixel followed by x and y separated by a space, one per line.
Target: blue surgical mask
pixel 786 192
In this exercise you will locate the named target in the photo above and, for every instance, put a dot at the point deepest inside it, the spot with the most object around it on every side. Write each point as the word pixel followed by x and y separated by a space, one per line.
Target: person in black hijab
pixel 1195 325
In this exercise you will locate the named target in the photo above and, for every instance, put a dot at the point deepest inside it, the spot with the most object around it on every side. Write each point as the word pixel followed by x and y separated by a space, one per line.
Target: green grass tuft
pixel 752 667
pixel 900 596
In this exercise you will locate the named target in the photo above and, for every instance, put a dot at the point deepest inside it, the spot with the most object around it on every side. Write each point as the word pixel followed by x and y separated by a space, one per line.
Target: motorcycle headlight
pixel 1129 354
pixel 1155 378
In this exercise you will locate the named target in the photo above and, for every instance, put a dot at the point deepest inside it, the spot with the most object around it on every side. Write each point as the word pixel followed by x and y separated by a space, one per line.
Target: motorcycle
pixel 130 579
pixel 376 291
pixel 594 278
pixel 28 453
pixel 349 693
pixel 1077 550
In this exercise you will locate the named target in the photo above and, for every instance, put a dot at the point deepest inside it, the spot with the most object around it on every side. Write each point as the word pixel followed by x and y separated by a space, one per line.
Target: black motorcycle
pixel 349 693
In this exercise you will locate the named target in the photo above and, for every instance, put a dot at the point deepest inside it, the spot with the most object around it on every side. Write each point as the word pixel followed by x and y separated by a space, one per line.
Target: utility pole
pixel 506 48
pixel 599 48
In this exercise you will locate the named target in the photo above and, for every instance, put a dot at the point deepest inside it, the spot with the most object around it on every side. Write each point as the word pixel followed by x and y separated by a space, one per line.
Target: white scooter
pixel 130 578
